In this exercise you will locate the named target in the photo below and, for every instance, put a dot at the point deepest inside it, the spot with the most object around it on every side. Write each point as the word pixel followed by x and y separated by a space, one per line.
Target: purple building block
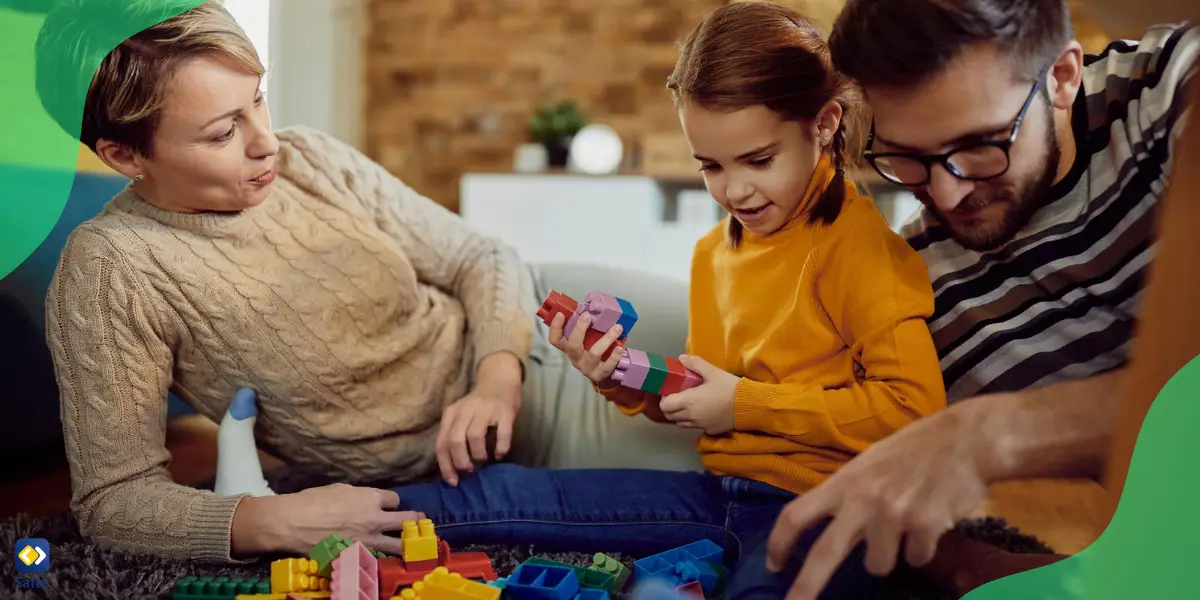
pixel 632 370
pixel 604 308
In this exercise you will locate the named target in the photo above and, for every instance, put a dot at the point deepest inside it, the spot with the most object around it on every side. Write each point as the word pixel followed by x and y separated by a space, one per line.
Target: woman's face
pixel 214 149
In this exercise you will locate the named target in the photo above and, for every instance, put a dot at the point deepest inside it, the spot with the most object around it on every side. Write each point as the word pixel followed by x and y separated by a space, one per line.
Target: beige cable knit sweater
pixel 354 306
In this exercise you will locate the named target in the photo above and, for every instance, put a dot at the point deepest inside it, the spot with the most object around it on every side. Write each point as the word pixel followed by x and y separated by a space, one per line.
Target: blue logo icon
pixel 32 555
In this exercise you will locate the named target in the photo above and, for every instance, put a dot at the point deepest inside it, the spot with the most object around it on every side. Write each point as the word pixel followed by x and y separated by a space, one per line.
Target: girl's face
pixel 755 164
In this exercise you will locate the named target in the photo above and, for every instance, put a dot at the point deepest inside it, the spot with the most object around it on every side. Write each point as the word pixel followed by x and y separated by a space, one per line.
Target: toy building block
pixel 606 311
pixel 291 596
pixel 420 541
pixel 218 588
pixel 329 548
pixel 693 589
pixel 325 551
pixel 610 565
pixel 296 575
pixel 588 578
pixel 542 582
pixel 679 378
pixel 632 370
pixel 395 574
pixel 652 373
pixel 558 303
pixel 355 575
pixel 591 594
pixel 441 584
pixel 663 564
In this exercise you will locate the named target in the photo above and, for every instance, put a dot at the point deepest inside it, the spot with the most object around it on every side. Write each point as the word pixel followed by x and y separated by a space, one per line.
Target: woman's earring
pixel 138 178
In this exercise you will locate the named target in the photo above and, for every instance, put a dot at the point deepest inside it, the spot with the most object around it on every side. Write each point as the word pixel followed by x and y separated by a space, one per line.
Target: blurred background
pixel 544 122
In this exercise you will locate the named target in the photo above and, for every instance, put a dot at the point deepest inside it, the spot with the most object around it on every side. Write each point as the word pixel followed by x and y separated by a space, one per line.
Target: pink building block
pixel 604 308
pixel 690 380
pixel 631 371
pixel 355 575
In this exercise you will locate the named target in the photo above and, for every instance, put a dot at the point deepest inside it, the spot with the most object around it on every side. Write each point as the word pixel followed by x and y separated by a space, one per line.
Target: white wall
pixel 315 64
pixel 255 18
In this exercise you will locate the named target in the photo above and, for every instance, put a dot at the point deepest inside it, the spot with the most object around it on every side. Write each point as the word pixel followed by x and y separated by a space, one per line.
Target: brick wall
pixel 450 84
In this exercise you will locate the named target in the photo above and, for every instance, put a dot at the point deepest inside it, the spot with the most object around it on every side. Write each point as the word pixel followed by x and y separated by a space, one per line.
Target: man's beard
pixel 1022 199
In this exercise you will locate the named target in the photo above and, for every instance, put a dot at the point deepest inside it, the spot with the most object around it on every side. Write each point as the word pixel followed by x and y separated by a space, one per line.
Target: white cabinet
pixel 619 220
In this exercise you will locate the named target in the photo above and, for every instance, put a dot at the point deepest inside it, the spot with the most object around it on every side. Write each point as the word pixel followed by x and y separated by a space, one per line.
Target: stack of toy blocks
pixel 557 303
pixel 355 575
pixel 341 570
pixel 638 370
pixel 424 552
pixel 441 584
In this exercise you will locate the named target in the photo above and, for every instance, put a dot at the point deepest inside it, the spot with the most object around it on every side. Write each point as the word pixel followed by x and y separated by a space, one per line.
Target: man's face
pixel 975 99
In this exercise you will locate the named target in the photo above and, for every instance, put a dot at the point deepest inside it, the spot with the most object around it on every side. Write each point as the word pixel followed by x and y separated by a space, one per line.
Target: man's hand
pixel 912 486
pixel 708 406
pixel 493 402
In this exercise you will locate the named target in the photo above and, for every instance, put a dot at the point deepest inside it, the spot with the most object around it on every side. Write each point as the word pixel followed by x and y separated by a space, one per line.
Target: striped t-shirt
pixel 1060 300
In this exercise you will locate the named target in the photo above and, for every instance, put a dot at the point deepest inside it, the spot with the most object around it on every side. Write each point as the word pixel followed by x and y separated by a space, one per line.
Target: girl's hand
pixel 708 406
pixel 361 514
pixel 587 361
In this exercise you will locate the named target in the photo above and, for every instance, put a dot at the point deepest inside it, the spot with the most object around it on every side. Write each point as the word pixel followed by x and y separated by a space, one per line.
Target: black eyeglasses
pixel 974 162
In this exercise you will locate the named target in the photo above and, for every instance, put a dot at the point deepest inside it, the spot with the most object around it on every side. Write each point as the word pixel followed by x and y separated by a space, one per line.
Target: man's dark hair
pixel 904 43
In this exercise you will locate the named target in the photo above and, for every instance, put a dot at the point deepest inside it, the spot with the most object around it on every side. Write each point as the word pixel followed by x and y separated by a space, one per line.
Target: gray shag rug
pixel 81 571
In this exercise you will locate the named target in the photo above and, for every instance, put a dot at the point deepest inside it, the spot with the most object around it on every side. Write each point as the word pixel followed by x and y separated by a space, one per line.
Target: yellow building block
pixel 290 575
pixel 441 584
pixel 420 541
pixel 284 596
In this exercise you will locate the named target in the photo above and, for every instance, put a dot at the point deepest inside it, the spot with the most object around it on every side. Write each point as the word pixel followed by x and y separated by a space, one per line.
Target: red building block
pixel 692 588
pixel 676 376
pixel 395 574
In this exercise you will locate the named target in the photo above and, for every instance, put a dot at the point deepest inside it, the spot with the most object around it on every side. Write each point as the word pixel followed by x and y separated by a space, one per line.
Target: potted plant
pixel 553 126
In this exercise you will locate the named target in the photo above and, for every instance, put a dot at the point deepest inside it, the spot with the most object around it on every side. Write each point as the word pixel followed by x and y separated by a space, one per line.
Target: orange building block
pixel 297 575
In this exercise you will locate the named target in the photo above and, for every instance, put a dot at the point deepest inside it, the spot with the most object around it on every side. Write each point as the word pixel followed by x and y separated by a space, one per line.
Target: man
pixel 1040 171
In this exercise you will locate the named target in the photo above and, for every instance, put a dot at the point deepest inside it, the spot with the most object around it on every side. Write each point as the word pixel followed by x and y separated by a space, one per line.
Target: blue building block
pixel 628 318
pixel 663 563
pixel 541 582
pixel 592 594
pixel 697 571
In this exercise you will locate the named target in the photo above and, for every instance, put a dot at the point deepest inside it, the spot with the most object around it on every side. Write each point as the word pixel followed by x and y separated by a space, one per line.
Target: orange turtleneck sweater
pixel 825 325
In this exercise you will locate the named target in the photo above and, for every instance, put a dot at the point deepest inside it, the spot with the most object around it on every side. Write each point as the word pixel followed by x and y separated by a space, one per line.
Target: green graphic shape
pixel 37 155
pixel 1149 548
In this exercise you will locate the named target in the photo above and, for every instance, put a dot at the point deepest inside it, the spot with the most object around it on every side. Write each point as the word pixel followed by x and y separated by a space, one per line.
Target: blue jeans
pixel 633 512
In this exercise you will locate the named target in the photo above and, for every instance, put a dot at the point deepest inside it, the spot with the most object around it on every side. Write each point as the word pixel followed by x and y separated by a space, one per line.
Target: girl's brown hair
pixel 757 53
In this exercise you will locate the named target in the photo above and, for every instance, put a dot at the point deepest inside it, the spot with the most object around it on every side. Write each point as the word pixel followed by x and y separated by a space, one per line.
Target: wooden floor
pixel 1067 515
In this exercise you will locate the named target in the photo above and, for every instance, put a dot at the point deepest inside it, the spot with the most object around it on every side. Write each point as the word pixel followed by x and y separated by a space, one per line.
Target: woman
pixel 362 314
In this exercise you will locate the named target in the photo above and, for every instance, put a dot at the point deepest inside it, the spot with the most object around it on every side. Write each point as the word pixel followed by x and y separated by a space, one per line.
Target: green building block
pixel 330 548
pixel 657 374
pixel 607 564
pixel 218 588
pixel 588 578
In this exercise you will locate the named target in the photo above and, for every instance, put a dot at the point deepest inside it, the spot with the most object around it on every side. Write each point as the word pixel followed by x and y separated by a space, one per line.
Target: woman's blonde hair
pixel 123 98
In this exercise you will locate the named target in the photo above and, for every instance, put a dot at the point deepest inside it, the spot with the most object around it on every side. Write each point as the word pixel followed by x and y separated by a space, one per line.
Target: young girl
pixel 807 324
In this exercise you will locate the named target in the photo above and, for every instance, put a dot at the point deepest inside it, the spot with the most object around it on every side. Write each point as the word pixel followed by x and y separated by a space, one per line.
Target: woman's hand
pixel 294 523
pixel 493 402
pixel 708 406
pixel 587 361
